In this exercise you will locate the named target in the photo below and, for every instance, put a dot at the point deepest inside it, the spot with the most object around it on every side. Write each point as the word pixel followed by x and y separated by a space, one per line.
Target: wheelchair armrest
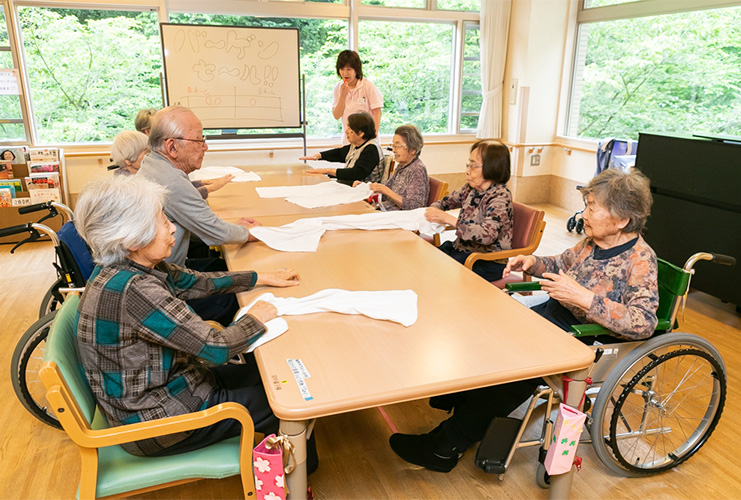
pixel 589 330
pixel 524 286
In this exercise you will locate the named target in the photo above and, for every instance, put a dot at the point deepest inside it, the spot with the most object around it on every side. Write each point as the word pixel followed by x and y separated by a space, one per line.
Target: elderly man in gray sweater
pixel 177 147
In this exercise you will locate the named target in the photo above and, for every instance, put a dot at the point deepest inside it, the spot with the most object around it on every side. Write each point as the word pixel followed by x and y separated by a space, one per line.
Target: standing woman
pixel 354 93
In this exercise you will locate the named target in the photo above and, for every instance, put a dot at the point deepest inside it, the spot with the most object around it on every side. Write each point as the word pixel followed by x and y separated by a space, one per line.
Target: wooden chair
pixel 528 231
pixel 108 470
pixel 438 189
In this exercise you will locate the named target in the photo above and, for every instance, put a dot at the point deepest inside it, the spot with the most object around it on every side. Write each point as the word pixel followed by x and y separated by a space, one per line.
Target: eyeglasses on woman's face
pixel 397 146
pixel 471 166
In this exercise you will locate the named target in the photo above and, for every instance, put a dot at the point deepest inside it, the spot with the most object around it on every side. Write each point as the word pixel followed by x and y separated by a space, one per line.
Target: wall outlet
pixel 534 160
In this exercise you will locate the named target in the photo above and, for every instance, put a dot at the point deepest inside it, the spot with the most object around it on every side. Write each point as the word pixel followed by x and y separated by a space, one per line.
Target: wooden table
pixel 240 199
pixel 469 334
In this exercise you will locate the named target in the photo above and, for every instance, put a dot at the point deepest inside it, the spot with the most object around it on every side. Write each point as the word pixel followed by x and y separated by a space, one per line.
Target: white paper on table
pixel 207 173
pixel 323 194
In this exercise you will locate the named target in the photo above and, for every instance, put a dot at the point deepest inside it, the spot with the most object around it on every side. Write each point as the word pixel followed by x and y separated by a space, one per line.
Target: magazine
pixel 43 167
pixel 6 197
pixel 43 181
pixel 15 154
pixel 6 169
pixel 43 155
pixel 15 184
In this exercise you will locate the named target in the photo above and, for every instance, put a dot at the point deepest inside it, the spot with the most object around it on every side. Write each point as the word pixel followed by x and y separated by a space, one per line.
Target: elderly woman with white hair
pixel 145 353
pixel 128 150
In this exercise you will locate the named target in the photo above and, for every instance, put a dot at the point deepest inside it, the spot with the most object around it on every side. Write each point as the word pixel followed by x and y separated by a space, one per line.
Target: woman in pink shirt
pixel 354 93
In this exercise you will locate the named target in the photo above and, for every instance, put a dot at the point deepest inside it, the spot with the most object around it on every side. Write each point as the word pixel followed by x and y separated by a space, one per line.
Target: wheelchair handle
pixel 51 206
pixel 718 258
pixel 35 208
pixel 9 231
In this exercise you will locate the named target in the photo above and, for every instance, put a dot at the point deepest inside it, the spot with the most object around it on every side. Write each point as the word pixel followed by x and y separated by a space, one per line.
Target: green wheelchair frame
pixel 653 402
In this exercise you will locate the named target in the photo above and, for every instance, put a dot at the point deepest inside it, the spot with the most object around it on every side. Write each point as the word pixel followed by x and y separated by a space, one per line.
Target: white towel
pixel 399 306
pixel 324 194
pixel 304 235
pixel 207 173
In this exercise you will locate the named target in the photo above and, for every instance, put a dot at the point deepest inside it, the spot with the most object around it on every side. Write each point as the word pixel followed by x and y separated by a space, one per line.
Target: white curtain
pixel 494 31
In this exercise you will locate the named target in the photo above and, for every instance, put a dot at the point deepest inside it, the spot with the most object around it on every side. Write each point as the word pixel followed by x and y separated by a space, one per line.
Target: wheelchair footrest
pixel 496 445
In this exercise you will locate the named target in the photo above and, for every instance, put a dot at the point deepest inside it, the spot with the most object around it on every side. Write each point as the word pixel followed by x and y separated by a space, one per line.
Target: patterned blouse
pixel 411 183
pixel 485 219
pixel 626 293
pixel 145 352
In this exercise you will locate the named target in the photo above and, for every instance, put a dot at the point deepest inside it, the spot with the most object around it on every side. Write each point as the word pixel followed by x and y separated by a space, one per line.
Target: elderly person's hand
pixel 216 184
pixel 436 215
pixel 263 311
pixel 282 277
pixel 323 171
pixel 249 224
pixel 566 290
pixel 380 188
pixel 317 156
pixel 522 263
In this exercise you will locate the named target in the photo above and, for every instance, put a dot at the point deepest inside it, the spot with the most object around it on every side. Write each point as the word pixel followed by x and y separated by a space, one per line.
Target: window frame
pixel 584 16
pixel 351 11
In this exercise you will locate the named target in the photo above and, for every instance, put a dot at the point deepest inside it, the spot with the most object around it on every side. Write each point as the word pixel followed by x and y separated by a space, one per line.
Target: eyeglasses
pixel 202 141
pixel 398 146
pixel 471 166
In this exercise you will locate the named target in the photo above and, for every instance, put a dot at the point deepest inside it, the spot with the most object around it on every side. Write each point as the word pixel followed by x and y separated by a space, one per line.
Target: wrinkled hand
pixel 323 171
pixel 281 278
pixel 317 156
pixel 356 184
pixel 379 188
pixel 436 215
pixel 249 224
pixel 263 311
pixel 216 184
pixel 519 263
pixel 566 290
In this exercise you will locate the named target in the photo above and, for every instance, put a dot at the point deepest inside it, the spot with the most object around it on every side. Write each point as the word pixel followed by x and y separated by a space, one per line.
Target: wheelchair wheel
pixel 25 366
pixel 659 405
pixel 579 226
pixel 52 299
pixel 571 223
pixel 542 477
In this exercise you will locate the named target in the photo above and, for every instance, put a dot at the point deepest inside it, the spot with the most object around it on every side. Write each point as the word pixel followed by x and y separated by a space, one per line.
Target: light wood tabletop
pixel 240 199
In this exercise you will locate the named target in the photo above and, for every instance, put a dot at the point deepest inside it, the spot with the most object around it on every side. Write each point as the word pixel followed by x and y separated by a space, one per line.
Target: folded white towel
pixel 324 194
pixel 399 306
pixel 207 173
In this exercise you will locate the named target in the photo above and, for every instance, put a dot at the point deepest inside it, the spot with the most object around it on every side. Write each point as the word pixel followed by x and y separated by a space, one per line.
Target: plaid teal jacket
pixel 146 353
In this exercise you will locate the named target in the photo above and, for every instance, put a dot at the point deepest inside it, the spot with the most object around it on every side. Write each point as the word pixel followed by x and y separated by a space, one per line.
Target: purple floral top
pixel 485 220
pixel 411 183
pixel 626 293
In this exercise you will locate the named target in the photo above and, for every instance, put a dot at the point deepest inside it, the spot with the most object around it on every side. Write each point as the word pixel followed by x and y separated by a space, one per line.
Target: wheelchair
pixel 29 351
pixel 654 403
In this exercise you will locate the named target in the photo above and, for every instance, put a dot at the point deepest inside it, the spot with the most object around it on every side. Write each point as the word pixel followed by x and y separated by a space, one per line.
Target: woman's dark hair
pixel 352 59
pixel 2 155
pixel 362 123
pixel 412 137
pixel 495 160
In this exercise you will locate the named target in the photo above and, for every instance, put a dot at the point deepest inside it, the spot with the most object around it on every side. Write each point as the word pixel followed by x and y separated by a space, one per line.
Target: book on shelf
pixel 6 169
pixel 44 195
pixel 43 167
pixel 15 154
pixel 43 155
pixel 6 197
pixel 42 181
pixel 15 184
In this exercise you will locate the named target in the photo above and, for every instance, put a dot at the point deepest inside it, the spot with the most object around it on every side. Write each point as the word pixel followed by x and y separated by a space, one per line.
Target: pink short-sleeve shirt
pixel 364 97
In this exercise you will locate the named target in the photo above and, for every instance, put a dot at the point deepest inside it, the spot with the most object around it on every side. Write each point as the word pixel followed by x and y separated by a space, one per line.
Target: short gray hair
pixel 166 124
pixel 118 213
pixel 412 136
pixel 128 145
pixel 143 120
pixel 626 195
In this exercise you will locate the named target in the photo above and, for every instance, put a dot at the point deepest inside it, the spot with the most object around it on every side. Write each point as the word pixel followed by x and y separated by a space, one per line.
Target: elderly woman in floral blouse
pixel 609 278
pixel 484 223
pixel 409 187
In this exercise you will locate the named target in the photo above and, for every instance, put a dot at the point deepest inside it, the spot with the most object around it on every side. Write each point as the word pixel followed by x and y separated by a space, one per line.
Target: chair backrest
pixel 78 249
pixel 528 227
pixel 62 368
pixel 438 189
pixel 673 283
pixel 389 163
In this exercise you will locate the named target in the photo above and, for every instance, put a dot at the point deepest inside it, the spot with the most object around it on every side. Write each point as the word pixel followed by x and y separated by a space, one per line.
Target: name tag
pixel 361 100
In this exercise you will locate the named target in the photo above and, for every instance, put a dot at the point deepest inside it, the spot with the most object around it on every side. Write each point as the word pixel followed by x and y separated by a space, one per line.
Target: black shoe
pixel 446 402
pixel 430 450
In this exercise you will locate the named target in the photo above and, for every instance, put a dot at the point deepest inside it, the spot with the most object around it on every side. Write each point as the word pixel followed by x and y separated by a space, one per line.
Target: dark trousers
pixel 487 269
pixel 474 410
pixel 218 307
pixel 238 383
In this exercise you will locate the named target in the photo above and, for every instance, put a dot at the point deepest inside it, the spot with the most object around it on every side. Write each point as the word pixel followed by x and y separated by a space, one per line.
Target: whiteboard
pixel 233 77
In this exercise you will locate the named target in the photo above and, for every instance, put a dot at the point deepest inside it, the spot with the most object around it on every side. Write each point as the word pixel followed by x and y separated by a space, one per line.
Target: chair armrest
pixel 589 330
pixel 503 254
pixel 524 286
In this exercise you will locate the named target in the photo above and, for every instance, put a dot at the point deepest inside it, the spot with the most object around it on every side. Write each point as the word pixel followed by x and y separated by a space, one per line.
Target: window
pixel 675 72
pixel 471 96
pixel 89 71
pixel 11 117
pixel 321 40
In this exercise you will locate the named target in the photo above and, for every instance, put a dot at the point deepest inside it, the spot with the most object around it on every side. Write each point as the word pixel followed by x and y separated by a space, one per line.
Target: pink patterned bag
pixel 269 461
pixel 566 433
